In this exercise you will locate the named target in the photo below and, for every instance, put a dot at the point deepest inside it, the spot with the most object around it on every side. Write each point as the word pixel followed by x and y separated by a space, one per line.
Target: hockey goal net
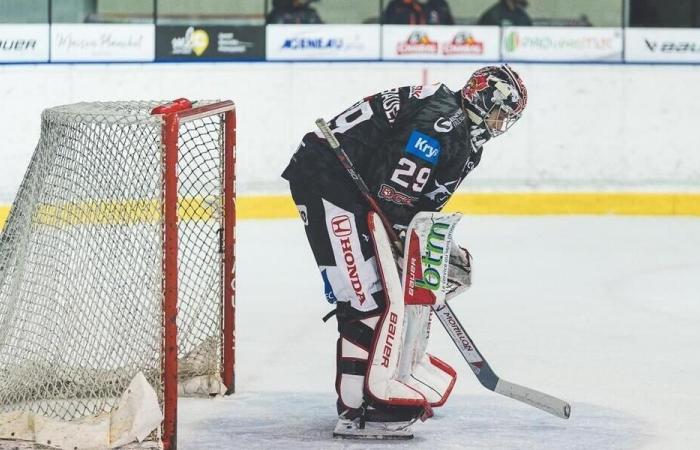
pixel 117 273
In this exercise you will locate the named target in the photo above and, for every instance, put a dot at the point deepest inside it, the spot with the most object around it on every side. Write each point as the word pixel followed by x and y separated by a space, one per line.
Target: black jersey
pixel 410 144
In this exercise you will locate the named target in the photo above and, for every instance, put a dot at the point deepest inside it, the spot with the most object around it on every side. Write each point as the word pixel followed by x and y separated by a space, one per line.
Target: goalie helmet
pixel 494 98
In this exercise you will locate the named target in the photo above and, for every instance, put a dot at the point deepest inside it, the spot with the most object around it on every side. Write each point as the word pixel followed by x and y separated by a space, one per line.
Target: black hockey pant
pixel 336 227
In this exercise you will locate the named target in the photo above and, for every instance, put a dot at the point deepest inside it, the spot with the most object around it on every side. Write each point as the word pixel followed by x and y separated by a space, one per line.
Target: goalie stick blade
pixel 487 377
pixel 538 399
pixel 349 429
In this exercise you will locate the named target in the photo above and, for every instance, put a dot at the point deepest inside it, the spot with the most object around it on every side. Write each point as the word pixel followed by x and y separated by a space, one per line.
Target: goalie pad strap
pixel 352 366
pixel 358 333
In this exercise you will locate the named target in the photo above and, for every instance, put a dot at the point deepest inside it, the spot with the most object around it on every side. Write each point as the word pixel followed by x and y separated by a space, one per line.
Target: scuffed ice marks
pixel 267 420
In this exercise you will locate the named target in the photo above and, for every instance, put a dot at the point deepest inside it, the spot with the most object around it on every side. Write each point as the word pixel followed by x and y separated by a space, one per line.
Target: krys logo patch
pixel 423 146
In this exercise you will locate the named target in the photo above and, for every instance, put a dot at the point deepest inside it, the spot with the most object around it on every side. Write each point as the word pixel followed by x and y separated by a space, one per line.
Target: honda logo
pixel 341 226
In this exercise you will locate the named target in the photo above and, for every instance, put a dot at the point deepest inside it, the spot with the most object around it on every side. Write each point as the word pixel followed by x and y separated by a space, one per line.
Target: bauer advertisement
pixel 24 43
pixel 437 43
pixel 662 45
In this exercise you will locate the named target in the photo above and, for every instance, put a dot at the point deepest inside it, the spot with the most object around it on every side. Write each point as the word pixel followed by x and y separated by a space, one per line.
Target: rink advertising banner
pixel 102 42
pixel 323 42
pixel 24 43
pixel 662 44
pixel 561 44
pixel 439 43
pixel 216 42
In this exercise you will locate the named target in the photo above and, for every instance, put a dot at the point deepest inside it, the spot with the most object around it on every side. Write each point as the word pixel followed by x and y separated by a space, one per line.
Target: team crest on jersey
pixel 423 146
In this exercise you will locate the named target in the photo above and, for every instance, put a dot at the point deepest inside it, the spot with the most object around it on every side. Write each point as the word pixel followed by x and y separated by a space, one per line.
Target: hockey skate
pixel 370 423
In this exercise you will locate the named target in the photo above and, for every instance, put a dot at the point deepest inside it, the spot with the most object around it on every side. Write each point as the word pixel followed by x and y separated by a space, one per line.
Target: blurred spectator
pixel 506 13
pixel 404 12
pixel 418 12
pixel 293 11
pixel 437 12
pixel 644 13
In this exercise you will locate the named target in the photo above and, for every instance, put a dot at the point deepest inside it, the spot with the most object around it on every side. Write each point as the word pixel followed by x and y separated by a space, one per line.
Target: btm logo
pixel 433 257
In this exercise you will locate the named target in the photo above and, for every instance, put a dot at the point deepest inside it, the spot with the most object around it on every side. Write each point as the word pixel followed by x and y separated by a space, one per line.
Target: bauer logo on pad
pixel 423 146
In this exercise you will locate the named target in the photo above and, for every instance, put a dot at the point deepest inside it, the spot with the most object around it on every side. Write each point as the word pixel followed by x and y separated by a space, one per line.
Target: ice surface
pixel 603 312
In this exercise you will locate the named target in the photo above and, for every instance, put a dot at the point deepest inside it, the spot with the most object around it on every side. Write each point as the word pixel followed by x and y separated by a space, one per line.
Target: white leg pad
pixel 434 379
pixel 351 388
pixel 382 378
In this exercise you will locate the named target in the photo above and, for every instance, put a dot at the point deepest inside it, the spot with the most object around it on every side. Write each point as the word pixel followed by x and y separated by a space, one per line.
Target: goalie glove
pixel 459 275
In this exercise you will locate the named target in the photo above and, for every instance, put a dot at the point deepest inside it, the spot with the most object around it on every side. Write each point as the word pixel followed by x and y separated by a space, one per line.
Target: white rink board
pixel 587 127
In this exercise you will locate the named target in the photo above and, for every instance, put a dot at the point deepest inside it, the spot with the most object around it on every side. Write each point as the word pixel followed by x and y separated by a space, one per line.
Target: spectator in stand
pixel 644 13
pixel 415 12
pixel 293 11
pixel 506 13
pixel 404 12
pixel 437 12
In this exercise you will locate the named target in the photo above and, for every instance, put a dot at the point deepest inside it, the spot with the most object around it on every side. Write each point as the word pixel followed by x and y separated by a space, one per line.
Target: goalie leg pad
pixel 352 349
pixel 423 372
pixel 433 378
pixel 382 384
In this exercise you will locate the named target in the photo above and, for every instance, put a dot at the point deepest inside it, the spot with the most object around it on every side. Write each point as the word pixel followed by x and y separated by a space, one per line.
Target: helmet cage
pixel 500 118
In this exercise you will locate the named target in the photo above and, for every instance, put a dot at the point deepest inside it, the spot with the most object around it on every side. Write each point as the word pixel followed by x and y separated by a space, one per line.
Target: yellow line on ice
pixel 282 206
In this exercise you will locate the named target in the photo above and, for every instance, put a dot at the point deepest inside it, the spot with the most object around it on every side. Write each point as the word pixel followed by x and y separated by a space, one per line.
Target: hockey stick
pixel 477 363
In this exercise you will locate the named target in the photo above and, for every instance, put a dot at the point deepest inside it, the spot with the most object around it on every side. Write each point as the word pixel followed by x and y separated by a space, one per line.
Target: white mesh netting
pixel 81 261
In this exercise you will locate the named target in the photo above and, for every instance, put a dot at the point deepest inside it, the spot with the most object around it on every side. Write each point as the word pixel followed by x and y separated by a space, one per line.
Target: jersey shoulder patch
pixel 421 92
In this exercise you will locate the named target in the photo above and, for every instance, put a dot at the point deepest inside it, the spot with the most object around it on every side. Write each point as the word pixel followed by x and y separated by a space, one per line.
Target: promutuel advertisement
pixel 434 42
pixel 102 42
pixel 205 42
pixel 662 44
pixel 323 42
pixel 24 43
pixel 561 44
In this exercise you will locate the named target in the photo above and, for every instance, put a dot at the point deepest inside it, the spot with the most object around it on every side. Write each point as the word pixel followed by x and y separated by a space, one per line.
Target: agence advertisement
pixel 323 42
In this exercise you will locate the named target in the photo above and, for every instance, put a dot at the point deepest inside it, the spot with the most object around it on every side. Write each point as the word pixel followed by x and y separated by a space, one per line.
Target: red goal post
pixel 117 272
pixel 174 114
